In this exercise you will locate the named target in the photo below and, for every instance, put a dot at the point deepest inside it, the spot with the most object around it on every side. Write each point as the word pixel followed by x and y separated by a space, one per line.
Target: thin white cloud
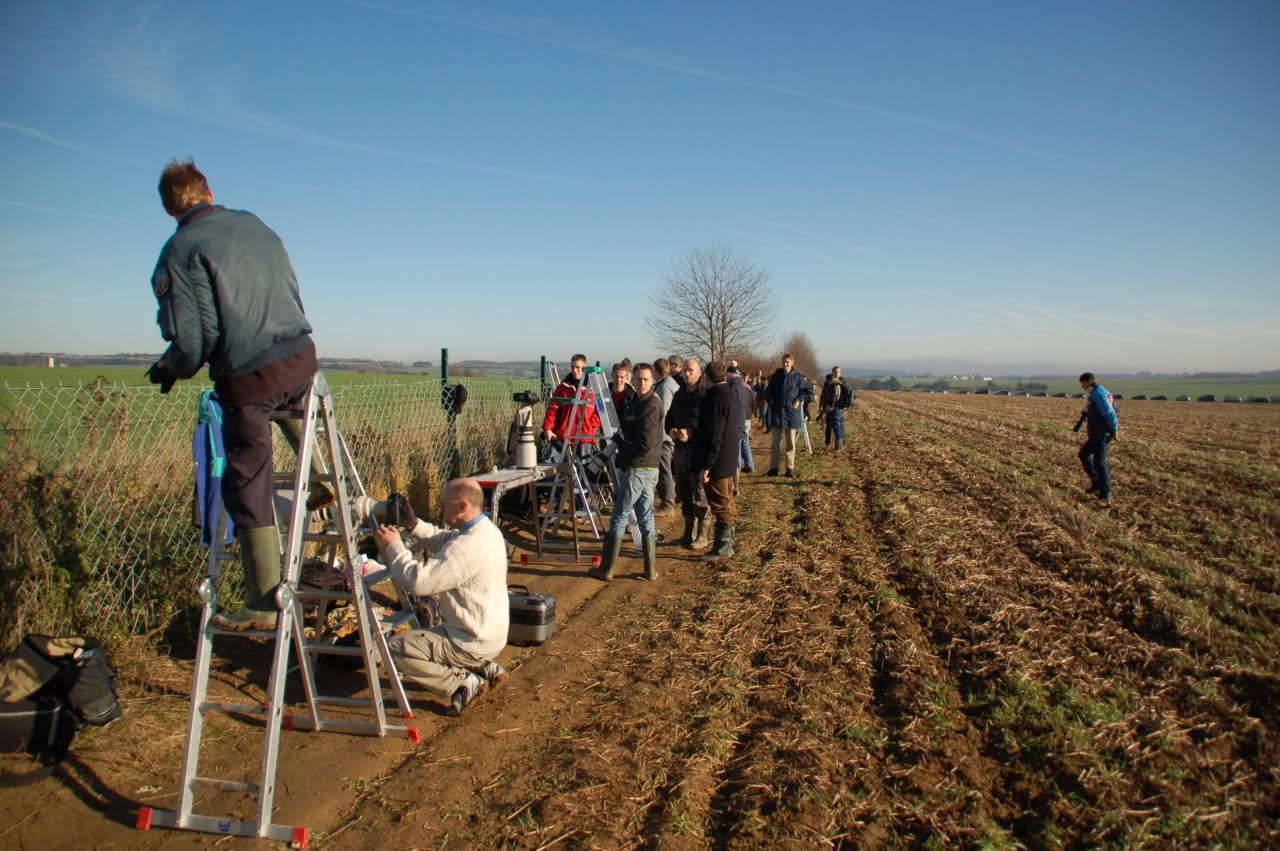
pixel 568 38
pixel 135 54
pixel 33 133
pixel 848 246
pixel 56 210
pixel 804 252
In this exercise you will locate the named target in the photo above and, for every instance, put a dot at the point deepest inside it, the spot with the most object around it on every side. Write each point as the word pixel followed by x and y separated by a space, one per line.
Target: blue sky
pixel 1039 186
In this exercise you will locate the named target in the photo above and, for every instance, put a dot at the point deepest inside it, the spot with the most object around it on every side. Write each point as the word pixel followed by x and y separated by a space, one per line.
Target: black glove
pixel 400 512
pixel 158 374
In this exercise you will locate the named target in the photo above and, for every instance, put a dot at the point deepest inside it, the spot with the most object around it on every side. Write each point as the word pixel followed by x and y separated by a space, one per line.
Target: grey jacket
pixel 227 295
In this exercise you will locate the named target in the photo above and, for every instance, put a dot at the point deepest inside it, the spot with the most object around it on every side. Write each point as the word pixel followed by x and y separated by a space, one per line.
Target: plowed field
pixel 933 638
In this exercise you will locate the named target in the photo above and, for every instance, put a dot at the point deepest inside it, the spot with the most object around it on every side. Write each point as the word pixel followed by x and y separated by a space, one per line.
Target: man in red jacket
pixel 555 425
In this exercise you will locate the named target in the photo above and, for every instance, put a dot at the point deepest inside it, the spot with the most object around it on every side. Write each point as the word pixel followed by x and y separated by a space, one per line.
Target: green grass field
pixel 36 376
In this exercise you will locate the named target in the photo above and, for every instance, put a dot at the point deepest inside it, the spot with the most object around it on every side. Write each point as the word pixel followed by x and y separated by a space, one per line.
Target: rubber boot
pixel 649 544
pixel 319 494
pixel 701 539
pixel 723 548
pixel 260 557
pixel 686 540
pixel 608 555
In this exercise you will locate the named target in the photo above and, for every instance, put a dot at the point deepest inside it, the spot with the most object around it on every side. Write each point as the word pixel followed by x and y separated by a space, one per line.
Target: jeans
pixel 835 426
pixel 635 490
pixel 1093 457
pixel 745 461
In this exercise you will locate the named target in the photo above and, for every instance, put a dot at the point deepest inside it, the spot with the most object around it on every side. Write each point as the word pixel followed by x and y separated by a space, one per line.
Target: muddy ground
pixel 933 638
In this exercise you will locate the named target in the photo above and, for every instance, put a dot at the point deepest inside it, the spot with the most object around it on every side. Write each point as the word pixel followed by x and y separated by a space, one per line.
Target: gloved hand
pixel 160 374
pixel 400 512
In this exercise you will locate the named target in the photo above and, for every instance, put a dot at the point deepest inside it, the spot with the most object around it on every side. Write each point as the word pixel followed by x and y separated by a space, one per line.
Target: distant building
pixel 50 363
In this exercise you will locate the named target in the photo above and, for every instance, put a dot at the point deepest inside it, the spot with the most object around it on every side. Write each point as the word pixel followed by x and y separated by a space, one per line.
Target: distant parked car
pixel 1259 400
pixel 983 392
pixel 1183 399
pixel 1208 397
pixel 1077 395
pixel 1160 398
pixel 1040 393
pixel 1059 395
pixel 1117 396
pixel 1140 397
pixel 1002 392
pixel 1231 398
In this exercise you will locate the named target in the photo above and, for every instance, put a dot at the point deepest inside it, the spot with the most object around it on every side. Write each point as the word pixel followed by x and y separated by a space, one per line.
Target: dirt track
pixel 933 637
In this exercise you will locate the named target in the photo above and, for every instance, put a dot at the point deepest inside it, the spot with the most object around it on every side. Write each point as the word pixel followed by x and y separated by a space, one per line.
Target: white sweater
pixel 467 571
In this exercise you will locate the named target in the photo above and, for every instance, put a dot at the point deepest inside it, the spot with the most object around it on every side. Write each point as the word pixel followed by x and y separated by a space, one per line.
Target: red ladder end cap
pixel 300 838
pixel 144 819
pixel 415 735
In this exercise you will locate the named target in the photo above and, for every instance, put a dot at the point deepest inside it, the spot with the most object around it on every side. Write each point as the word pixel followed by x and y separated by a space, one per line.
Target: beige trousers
pixel 784 442
pixel 429 658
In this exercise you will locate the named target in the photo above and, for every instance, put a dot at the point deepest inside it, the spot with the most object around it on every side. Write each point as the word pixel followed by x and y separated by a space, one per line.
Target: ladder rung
pixel 248 633
pixel 225 785
pixel 317 594
pixel 234 708
pixel 389 624
pixel 323 537
pixel 334 650
pixel 335 700
pixel 287 477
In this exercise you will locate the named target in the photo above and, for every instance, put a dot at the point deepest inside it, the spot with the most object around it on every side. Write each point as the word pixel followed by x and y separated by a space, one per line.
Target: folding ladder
pixel 339 537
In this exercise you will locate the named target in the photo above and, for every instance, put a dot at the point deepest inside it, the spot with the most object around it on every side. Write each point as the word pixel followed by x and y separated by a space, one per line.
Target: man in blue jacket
pixel 228 297
pixel 1102 425
pixel 786 394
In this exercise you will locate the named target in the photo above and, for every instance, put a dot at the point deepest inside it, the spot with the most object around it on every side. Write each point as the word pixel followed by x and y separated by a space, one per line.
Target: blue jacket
pixel 1100 414
pixel 784 390
pixel 210 457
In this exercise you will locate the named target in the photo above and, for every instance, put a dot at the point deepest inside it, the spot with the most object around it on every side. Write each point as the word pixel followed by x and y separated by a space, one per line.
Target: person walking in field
pixel 836 398
pixel 228 297
pixel 1102 423
pixel 786 394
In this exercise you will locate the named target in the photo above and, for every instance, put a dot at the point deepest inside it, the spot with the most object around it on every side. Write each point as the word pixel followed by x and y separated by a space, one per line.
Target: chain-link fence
pixel 96 488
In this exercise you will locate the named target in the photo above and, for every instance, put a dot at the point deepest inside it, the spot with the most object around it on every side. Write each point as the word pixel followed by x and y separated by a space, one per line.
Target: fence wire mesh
pixel 96 488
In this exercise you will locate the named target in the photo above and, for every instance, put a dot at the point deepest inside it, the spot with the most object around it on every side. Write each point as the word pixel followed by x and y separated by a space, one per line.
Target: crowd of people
pixel 228 298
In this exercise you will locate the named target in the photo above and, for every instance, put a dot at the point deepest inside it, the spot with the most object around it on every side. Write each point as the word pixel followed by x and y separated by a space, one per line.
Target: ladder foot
pixel 300 838
pixel 414 735
pixel 144 819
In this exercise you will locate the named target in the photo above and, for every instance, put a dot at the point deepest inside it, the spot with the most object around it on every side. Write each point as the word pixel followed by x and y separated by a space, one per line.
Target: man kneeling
pixel 466 568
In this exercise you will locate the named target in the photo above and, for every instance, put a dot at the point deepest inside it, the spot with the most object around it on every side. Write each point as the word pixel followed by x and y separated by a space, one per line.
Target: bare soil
pixel 933 638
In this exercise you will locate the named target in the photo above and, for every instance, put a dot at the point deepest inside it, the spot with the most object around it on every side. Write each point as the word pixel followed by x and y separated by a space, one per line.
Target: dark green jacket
pixel 227 295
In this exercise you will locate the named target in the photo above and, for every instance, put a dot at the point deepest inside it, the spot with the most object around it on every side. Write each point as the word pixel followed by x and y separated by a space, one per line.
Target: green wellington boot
pixel 702 538
pixel 723 548
pixel 649 545
pixel 260 557
pixel 686 540
pixel 608 555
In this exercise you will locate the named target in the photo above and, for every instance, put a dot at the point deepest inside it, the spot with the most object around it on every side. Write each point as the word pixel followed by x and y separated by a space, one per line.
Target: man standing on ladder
pixel 228 296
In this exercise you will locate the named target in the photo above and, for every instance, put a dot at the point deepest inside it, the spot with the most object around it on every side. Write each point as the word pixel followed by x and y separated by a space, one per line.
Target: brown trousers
pixel 721 500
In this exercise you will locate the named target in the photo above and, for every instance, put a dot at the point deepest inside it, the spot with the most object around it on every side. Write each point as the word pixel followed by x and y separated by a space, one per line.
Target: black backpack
pixel 48 688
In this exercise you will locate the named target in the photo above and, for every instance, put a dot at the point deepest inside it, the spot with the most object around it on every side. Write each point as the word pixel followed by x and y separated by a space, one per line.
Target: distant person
pixel 665 387
pixel 1102 424
pixel 682 425
pixel 716 453
pixel 465 569
pixel 836 399
pixel 639 442
pixel 228 297
pixel 746 401
pixel 787 392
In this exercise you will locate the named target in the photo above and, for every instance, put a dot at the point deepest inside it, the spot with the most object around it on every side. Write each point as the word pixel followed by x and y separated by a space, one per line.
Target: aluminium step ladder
pixel 319 422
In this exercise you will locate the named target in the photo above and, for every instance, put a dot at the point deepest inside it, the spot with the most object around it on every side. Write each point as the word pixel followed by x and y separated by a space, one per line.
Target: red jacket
pixel 557 418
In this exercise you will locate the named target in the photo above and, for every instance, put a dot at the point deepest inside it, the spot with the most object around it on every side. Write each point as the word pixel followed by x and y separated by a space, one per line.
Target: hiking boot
pixel 790 474
pixel 650 548
pixel 700 540
pixel 723 548
pixel 244 619
pixel 608 555
pixel 466 694
pixel 493 673
pixel 773 471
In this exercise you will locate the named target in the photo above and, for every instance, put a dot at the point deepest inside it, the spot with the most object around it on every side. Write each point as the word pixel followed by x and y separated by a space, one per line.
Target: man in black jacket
pixel 228 297
pixel 639 450
pixel 682 425
pixel 715 455
pixel 836 398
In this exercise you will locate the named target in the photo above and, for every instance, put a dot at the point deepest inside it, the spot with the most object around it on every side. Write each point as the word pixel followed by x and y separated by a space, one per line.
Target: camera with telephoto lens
pixel 525 397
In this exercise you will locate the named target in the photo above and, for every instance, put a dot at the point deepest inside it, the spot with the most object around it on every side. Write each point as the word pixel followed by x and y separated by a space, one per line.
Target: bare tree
pixel 806 357
pixel 714 304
